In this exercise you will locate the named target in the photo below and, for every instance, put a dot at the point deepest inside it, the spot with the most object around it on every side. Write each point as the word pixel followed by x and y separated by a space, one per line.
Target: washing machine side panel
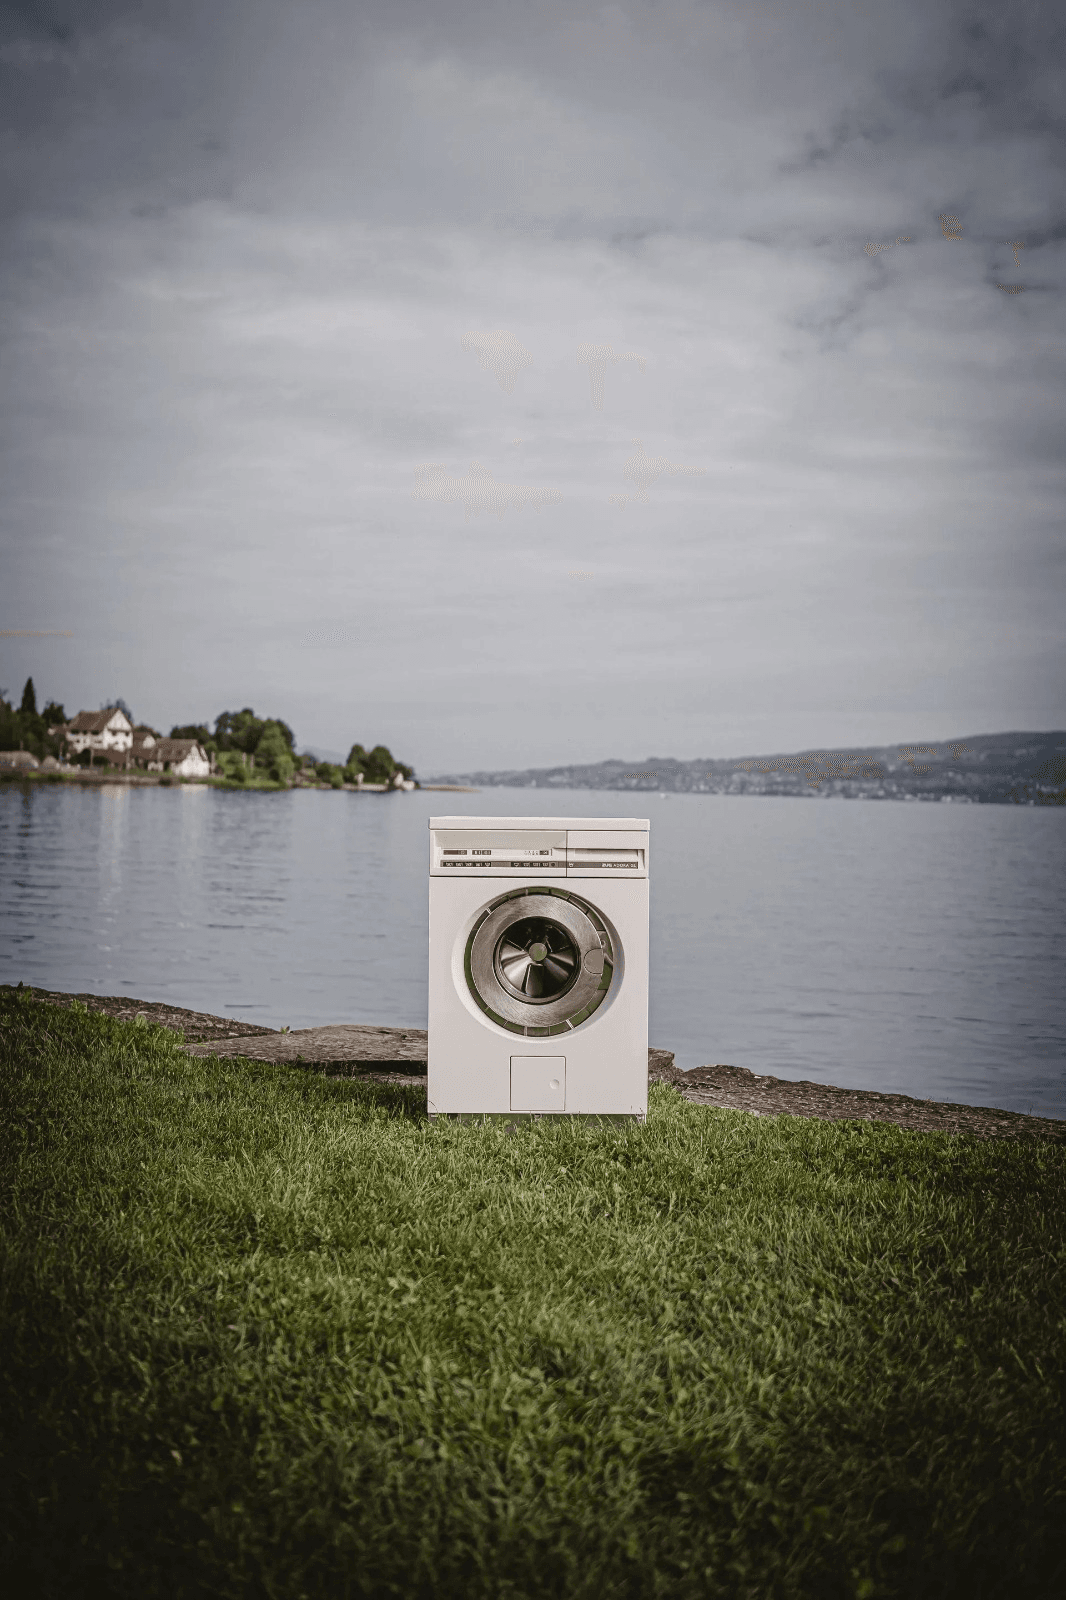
pixel 469 1058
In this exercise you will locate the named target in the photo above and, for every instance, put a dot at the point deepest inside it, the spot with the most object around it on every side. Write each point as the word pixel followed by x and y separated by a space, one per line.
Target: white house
pixel 109 729
pixel 185 758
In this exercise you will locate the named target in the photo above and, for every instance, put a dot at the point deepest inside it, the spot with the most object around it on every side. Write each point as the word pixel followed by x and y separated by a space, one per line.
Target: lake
pixel 911 948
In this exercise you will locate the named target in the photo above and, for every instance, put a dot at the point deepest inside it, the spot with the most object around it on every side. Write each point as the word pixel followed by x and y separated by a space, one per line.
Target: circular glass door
pixel 539 961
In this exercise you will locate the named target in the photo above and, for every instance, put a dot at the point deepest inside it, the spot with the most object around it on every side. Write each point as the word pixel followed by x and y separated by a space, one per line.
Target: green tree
pixel 274 752
pixel 53 714
pixel 232 765
pixel 242 730
pixel 380 765
pixel 238 730
pixel 10 727
pixel 377 766
pixel 25 729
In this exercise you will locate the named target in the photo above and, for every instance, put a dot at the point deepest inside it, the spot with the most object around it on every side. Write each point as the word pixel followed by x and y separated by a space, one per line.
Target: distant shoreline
pixel 1029 798
pixel 141 780
pixel 1013 768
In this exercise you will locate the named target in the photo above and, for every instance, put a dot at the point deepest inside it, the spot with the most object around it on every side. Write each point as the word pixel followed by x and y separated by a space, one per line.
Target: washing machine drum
pixel 539 961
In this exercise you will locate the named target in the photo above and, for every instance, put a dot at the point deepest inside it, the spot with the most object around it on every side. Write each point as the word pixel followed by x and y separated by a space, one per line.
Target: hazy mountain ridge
pixel 986 768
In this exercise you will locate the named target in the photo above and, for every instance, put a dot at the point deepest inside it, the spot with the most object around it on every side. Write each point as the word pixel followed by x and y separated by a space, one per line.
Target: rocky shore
pixel 398 1055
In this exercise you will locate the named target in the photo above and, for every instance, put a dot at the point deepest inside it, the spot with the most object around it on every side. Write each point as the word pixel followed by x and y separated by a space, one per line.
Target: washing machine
pixel 538 967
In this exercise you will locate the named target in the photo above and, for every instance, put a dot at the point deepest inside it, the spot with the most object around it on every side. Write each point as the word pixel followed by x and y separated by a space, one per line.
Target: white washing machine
pixel 538 966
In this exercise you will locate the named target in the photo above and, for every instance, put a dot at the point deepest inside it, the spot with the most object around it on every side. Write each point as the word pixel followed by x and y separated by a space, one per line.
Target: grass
pixel 253 781
pixel 268 1334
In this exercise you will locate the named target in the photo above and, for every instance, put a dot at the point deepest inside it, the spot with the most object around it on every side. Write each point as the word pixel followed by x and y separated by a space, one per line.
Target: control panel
pixel 465 852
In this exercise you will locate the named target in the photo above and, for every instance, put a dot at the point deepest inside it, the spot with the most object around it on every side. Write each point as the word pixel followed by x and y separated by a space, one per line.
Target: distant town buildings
pixel 243 747
pixel 110 735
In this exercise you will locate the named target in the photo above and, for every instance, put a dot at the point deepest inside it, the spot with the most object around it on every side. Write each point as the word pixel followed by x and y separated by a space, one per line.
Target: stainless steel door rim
pixel 539 960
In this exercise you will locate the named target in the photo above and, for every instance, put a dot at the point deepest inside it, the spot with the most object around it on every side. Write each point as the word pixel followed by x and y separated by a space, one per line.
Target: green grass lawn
pixel 268 1334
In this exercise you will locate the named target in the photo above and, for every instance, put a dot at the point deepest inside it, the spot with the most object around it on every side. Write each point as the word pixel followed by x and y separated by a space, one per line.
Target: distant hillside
pixel 979 768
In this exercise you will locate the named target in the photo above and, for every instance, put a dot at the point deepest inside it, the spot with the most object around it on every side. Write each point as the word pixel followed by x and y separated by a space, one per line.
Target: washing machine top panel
pixel 522 847
pixel 559 824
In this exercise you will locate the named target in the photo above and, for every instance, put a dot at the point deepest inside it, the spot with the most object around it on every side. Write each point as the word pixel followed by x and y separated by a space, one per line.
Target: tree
pixel 53 714
pixel 377 766
pixel 238 730
pixel 118 704
pixel 380 765
pixel 242 730
pixel 10 727
pixel 25 729
pixel 274 751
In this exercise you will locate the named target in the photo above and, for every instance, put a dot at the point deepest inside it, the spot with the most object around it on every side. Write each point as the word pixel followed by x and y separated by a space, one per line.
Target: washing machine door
pixel 539 961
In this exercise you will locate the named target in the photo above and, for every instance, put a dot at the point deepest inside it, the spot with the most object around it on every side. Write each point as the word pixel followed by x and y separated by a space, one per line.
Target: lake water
pixel 904 947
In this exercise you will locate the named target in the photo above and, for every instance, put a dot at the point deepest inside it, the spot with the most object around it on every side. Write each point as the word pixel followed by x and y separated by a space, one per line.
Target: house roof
pixel 95 721
pixel 173 749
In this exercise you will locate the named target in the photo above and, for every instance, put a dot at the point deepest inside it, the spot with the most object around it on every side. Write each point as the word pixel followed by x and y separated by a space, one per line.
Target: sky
pixel 519 384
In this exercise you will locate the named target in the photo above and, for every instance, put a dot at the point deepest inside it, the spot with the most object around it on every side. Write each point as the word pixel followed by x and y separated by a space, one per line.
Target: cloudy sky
pixel 351 353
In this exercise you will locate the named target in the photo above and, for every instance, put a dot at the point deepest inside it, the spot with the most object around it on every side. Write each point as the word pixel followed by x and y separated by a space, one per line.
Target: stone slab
pixel 348 1044
pixel 353 1045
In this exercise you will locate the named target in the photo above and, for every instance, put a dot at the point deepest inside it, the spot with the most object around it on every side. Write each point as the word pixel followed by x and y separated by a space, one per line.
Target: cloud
pixel 597 357
pixel 241 248
pixel 478 491
pixel 500 353
pixel 645 469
